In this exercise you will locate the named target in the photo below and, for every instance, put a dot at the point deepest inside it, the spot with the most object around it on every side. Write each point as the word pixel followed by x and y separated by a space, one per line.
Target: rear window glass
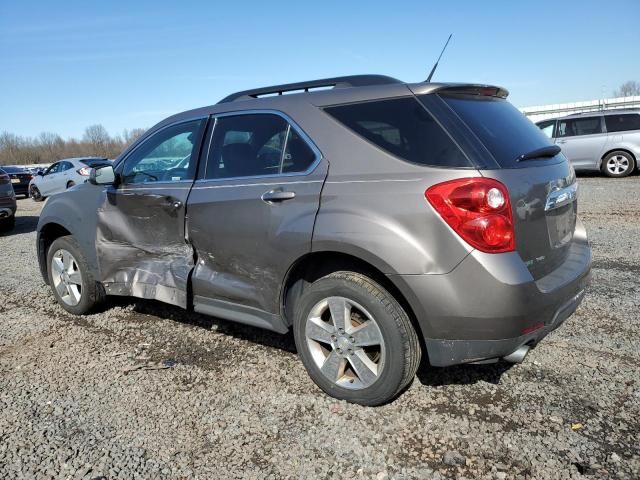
pixel 500 126
pixel 92 162
pixel 403 128
pixel 622 123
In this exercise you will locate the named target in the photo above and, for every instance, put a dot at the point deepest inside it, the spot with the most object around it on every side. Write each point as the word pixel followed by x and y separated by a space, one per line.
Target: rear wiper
pixel 544 152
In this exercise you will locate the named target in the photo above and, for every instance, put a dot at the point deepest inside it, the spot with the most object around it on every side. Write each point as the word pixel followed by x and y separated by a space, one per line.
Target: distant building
pixel 560 109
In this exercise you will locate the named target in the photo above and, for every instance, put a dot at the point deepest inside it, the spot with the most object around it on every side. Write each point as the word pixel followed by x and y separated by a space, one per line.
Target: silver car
pixel 62 175
pixel 604 141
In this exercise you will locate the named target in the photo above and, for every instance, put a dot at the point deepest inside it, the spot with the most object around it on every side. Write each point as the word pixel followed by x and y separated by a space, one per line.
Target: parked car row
pixel 7 202
pixel 606 141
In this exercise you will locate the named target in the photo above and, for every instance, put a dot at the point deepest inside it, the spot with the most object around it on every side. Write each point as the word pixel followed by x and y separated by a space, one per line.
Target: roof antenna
pixel 433 70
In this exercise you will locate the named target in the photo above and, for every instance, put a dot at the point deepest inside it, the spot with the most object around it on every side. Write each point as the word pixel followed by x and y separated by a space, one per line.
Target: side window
pixel 167 156
pixel 579 126
pixel 547 127
pixel 66 166
pixel 298 156
pixel 55 168
pixel 403 128
pixel 255 145
pixel 622 123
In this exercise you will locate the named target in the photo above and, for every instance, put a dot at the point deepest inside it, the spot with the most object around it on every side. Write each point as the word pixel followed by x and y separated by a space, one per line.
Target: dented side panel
pixel 140 242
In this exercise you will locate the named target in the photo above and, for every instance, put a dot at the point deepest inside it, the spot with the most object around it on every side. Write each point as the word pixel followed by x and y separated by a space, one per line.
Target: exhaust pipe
pixel 518 355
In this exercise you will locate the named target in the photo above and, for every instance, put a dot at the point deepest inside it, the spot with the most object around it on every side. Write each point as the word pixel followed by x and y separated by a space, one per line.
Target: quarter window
pixel 256 145
pixel 579 126
pixel 622 123
pixel 167 156
pixel 403 128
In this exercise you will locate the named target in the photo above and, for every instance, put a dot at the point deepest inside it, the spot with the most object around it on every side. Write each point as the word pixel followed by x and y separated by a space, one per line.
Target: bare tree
pixel 628 89
pixel 49 147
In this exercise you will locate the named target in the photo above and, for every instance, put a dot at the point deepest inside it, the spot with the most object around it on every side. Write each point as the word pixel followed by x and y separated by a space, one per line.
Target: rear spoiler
pixel 460 89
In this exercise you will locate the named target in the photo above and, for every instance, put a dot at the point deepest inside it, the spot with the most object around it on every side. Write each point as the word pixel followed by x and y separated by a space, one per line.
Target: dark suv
pixel 378 219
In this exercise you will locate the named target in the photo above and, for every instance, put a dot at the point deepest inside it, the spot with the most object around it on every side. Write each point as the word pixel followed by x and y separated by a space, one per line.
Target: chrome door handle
pixel 562 141
pixel 277 196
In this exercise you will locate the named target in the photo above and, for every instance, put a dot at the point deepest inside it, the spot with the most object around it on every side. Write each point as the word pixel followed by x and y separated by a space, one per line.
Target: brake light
pixel 4 177
pixel 477 209
pixel 84 171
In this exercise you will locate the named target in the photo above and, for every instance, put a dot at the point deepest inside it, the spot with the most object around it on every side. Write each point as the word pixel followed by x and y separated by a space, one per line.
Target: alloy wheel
pixel 345 342
pixel 617 164
pixel 66 277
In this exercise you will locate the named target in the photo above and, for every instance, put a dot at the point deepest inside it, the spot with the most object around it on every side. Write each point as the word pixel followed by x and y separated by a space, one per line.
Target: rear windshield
pixel 403 128
pixel 500 126
pixel 14 169
pixel 92 162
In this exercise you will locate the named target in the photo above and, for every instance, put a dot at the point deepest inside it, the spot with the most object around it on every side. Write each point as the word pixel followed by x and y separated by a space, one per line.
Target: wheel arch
pixel 317 264
pixel 619 149
pixel 47 234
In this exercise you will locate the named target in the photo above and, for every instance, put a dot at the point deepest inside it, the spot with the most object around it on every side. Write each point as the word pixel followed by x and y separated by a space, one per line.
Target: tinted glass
pixel 547 127
pixel 247 146
pixel 65 166
pixel 579 126
pixel 298 156
pixel 14 170
pixel 500 126
pixel 622 123
pixel 92 162
pixel 167 156
pixel 403 128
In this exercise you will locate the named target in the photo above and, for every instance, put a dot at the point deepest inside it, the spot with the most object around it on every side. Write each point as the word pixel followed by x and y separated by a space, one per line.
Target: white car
pixel 62 175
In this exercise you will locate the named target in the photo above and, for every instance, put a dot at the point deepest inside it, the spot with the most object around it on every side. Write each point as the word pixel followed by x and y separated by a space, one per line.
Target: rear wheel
pixel 71 281
pixel 355 340
pixel 618 164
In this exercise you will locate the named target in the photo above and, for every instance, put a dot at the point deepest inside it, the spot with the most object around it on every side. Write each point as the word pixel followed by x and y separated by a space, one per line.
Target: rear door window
pixel 622 123
pixel 253 145
pixel 575 127
pixel 403 128
pixel 500 126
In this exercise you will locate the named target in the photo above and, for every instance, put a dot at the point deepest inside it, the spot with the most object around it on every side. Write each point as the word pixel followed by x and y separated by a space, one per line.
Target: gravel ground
pixel 144 390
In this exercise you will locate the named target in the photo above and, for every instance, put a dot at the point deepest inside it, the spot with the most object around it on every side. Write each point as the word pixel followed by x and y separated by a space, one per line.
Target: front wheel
pixel 618 164
pixel 355 340
pixel 71 281
pixel 35 194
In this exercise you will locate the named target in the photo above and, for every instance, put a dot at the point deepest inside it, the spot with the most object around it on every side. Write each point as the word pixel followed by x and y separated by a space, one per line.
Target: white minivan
pixel 607 141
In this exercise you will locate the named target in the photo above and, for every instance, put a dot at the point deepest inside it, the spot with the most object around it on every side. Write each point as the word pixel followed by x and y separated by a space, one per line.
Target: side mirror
pixel 102 175
pixel 40 173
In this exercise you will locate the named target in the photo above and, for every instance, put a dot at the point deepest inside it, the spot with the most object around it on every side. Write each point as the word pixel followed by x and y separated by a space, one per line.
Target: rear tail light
pixel 477 209
pixel 4 178
pixel 84 171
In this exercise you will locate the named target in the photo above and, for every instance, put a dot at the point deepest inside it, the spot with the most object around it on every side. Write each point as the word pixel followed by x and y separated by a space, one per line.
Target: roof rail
pixel 336 82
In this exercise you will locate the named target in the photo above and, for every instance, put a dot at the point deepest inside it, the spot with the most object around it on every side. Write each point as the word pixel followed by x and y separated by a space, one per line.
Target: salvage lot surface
pixel 100 396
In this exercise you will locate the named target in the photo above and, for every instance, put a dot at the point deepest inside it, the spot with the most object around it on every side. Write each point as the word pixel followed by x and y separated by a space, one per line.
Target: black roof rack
pixel 336 82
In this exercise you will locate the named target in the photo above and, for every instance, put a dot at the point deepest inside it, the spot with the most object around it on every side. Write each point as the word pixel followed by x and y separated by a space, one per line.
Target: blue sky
pixel 68 64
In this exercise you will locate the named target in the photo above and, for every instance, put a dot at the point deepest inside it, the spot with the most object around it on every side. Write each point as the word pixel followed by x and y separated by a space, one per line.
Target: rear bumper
pixel 490 305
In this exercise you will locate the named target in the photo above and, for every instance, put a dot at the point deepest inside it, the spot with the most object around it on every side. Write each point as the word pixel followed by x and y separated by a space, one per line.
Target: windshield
pixel 14 169
pixel 500 126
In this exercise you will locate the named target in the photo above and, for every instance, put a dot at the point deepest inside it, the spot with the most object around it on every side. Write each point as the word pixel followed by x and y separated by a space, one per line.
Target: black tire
pixel 7 224
pixel 624 159
pixel 402 350
pixel 70 184
pixel 34 193
pixel 92 294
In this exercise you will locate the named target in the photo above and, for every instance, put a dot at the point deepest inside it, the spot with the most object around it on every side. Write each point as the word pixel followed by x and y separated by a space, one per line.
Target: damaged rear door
pixel 140 241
